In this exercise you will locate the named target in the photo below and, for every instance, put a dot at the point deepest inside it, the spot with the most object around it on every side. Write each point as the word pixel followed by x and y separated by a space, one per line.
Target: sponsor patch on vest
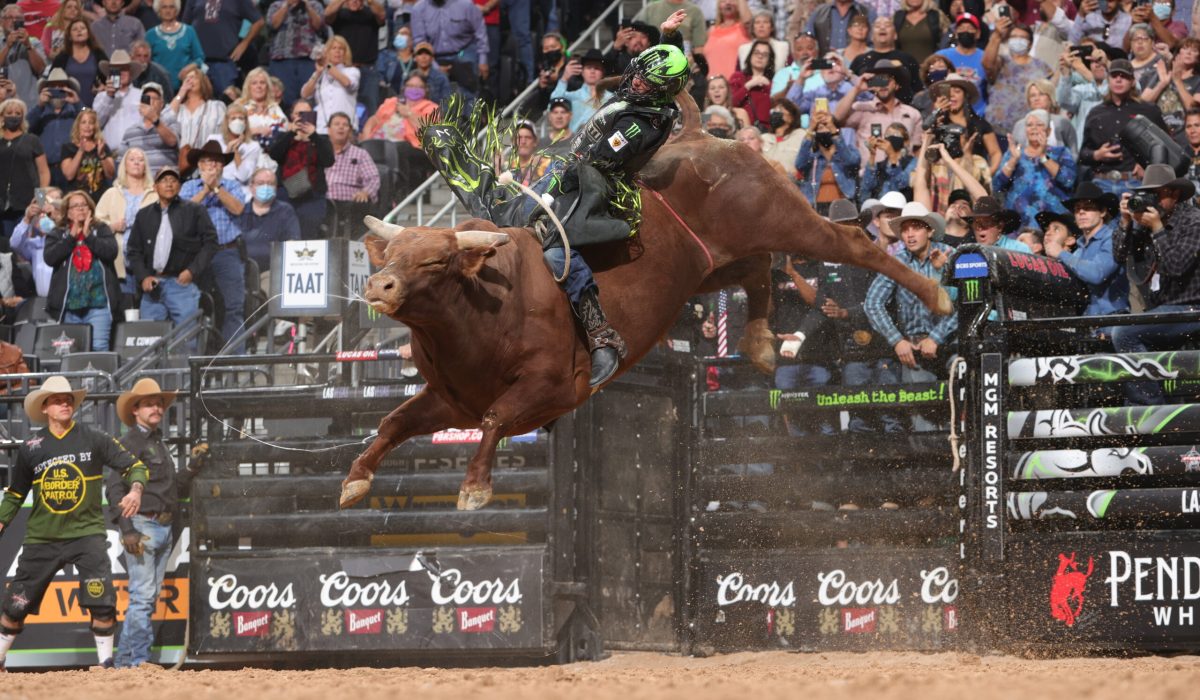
pixel 617 141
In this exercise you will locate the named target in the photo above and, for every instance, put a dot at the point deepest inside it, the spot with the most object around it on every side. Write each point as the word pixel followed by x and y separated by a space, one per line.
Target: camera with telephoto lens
pixel 950 136
pixel 1141 201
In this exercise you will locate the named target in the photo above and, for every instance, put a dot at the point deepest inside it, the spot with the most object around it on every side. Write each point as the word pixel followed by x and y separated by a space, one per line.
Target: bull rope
pixel 506 178
pixel 662 200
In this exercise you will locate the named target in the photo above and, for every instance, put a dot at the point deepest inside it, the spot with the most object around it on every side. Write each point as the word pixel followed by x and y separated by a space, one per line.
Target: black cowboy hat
pixel 843 211
pixel 1091 192
pixel 592 56
pixel 1045 218
pixel 1164 176
pixel 892 68
pixel 210 149
pixel 990 206
pixel 652 33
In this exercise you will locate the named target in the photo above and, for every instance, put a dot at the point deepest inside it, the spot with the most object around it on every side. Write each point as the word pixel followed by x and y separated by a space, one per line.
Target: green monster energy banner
pixel 1082 369
pixel 884 396
pixel 1143 508
pixel 1082 422
pixel 1106 462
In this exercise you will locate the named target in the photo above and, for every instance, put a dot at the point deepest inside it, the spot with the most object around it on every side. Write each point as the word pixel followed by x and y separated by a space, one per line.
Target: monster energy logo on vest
pixel 971 290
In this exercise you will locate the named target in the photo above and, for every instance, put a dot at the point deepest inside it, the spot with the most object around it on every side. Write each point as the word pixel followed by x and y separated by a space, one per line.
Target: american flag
pixel 722 323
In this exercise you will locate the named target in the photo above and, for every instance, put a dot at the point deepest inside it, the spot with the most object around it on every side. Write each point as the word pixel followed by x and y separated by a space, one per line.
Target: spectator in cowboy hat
pixel 117 107
pixel 65 525
pixel 224 199
pixel 165 258
pixel 147 535
pixel 992 223
pixel 883 81
pixel 955 101
pixel 917 337
pixel 885 210
pixel 967 57
pixel 1092 260
pixel 1059 227
pixel 54 115
pixel 1167 233
pixel 1138 252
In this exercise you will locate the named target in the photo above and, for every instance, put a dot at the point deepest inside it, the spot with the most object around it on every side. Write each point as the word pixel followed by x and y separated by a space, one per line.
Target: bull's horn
pixel 382 229
pixel 478 239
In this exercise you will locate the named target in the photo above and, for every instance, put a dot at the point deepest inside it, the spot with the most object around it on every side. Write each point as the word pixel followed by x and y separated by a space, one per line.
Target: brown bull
pixel 494 336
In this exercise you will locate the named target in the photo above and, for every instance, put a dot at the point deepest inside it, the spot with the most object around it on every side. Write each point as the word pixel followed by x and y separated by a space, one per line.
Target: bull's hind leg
pixel 752 274
pixel 423 414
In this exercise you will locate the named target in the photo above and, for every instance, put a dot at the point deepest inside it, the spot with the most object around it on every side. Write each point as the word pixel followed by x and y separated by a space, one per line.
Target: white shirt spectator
pixel 248 153
pixel 196 128
pixel 118 113
pixel 332 98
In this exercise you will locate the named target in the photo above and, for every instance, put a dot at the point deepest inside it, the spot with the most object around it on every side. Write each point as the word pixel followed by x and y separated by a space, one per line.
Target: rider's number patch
pixel 617 141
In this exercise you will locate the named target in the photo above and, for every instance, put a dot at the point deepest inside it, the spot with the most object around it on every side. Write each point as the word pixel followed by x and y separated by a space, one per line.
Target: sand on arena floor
pixel 626 676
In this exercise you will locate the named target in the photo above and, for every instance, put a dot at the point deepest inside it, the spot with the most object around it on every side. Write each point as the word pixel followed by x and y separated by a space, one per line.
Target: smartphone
pixel 1004 11
pixel 309 117
pixel 878 81
pixel 147 98
pixel 1081 50
pixel 3 72
pixel 876 130
pixel 821 104
pixel 39 196
pixel 820 64
pixel 114 80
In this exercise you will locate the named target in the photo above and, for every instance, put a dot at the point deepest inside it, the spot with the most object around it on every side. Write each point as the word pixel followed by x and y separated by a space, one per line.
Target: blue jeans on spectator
pixel 876 372
pixel 146 573
pixel 368 87
pixel 223 74
pixel 789 377
pixel 176 302
pixel 229 274
pixel 293 72
pixel 99 319
pixel 517 12
pixel 1158 336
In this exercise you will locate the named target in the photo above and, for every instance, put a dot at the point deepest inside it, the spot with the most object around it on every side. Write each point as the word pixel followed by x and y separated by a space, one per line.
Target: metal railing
pixel 452 207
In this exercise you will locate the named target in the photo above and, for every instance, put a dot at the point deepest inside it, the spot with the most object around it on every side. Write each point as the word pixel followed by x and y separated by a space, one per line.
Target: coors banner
pixel 475 598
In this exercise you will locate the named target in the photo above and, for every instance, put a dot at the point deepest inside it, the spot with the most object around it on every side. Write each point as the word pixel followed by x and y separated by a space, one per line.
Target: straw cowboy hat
pixel 211 149
pixel 118 60
pixel 57 384
pixel 58 78
pixel 942 87
pixel 915 211
pixel 144 388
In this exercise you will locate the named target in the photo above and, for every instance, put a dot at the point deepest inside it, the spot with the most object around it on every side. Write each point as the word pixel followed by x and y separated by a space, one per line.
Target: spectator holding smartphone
pixel 42 216
pixel 303 155
pixel 117 105
pixel 23 166
pixel 578 84
pixel 334 85
pixel 20 54
pixel 155 134
pixel 53 117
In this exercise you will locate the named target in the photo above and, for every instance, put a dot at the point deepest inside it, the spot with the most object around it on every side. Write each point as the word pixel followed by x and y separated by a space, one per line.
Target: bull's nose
pixel 380 285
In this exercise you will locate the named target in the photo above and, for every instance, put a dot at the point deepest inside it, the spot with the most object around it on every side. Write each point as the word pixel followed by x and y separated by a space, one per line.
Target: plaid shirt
pixel 226 225
pixel 1177 250
pixel 913 318
pixel 352 171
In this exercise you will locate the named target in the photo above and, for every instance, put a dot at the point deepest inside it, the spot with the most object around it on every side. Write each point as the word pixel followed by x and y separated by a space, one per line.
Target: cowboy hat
pixel 211 149
pixel 990 206
pixel 890 200
pixel 955 80
pixel 892 68
pixel 1159 175
pixel 57 384
pixel 1045 218
pixel 120 59
pixel 1091 192
pixel 144 388
pixel 915 211
pixel 58 78
pixel 843 211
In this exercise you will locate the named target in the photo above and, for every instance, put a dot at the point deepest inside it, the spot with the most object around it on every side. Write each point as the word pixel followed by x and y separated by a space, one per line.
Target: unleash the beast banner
pixel 860 599
pixel 391 600
pixel 58 636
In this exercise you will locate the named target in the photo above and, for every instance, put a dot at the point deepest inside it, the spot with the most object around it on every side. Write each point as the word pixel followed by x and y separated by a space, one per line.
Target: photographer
pixel 550 66
pixel 1092 258
pixel 893 172
pixel 827 164
pixel 1082 84
pixel 833 87
pixel 578 84
pixel 294 33
pixel 1102 20
pixel 952 100
pixel 54 115
pixel 871 117
pixel 947 164
pixel 1167 230
pixel 1111 167
pixel 29 237
pixel 804 47
pixel 20 54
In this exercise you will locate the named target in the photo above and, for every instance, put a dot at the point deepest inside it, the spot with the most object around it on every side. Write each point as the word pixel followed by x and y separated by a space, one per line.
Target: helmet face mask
pixel 663 69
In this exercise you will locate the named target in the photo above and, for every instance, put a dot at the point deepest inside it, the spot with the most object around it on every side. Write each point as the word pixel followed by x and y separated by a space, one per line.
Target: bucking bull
pixel 494 337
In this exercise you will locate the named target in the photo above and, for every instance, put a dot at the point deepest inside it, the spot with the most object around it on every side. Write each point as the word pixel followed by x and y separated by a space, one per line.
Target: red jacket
pixel 756 101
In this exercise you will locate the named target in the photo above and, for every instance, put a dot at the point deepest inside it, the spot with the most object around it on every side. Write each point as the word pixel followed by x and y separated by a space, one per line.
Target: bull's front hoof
pixel 474 498
pixel 353 492
pixel 944 306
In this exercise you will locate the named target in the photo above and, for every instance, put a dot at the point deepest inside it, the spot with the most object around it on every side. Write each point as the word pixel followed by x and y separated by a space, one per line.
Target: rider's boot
pixel 604 343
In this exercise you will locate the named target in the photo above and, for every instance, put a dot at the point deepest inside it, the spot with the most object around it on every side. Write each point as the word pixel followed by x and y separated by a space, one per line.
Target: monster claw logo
pixel 971 290
pixel 774 398
pixel 1066 591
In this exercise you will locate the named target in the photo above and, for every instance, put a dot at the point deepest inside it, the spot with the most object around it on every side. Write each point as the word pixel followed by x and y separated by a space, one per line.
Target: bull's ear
pixel 376 248
pixel 471 260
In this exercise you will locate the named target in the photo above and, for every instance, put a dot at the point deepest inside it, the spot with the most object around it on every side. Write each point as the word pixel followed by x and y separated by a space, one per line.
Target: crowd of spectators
pixel 216 127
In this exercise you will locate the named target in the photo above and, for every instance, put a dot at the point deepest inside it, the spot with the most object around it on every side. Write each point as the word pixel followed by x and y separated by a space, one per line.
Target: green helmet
pixel 663 67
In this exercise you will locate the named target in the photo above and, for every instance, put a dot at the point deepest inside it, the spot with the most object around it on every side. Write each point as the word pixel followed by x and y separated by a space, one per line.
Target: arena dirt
pixel 626 676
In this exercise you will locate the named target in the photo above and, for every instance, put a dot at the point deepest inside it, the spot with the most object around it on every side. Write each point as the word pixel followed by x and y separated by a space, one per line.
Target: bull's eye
pixel 435 262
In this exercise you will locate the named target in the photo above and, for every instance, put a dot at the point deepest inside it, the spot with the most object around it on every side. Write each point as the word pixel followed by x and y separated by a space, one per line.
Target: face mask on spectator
pixel 896 142
pixel 1018 46
pixel 776 120
pixel 721 132
pixel 46 225
pixel 13 123
pixel 412 94
pixel 237 127
pixel 1162 11
pixel 824 139
pixel 264 193
pixel 936 76
pixel 400 42
pixel 966 40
